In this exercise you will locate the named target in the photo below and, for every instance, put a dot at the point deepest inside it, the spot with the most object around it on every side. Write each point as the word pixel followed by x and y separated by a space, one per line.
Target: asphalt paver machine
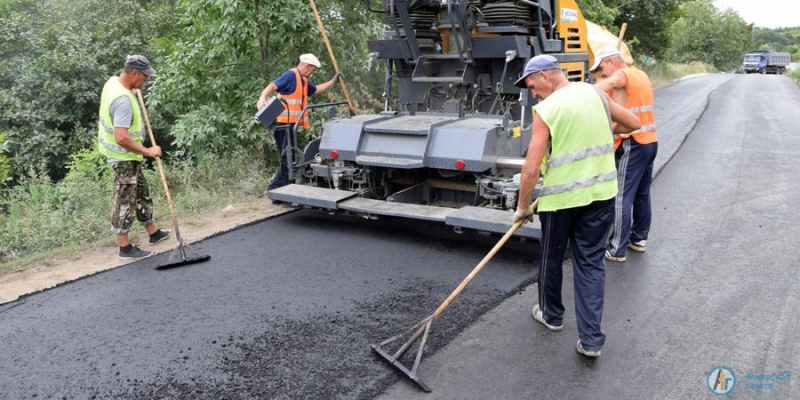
pixel 451 141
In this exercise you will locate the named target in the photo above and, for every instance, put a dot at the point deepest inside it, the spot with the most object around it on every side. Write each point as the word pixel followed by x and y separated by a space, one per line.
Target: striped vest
pixel 296 101
pixel 106 143
pixel 640 102
pixel 580 168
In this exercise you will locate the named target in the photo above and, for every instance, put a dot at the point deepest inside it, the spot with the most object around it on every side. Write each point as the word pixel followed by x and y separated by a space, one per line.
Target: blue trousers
pixel 585 229
pixel 632 212
pixel 282 177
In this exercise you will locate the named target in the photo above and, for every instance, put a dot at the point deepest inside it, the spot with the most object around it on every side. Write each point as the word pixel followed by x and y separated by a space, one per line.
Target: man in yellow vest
pixel 120 134
pixel 573 121
pixel 294 88
pixel 635 153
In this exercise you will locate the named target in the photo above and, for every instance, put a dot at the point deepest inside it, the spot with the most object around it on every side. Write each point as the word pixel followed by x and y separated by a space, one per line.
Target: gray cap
pixel 140 63
pixel 536 64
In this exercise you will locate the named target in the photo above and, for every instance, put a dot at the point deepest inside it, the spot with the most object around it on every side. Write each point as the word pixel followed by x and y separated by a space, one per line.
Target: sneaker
pixel 132 252
pixel 610 257
pixel 587 353
pixel 159 235
pixel 638 246
pixel 539 316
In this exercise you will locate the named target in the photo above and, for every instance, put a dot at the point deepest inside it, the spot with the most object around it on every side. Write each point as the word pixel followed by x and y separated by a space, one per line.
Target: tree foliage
pixel 783 39
pixel 228 50
pixel 54 57
pixel 704 33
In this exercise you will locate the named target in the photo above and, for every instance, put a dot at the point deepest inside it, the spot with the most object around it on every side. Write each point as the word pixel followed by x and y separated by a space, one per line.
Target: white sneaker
pixel 587 353
pixel 539 316
pixel 609 257
pixel 639 246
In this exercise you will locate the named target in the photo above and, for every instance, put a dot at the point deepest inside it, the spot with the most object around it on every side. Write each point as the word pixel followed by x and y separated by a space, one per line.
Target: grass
pixel 41 219
pixel 662 74
pixel 794 75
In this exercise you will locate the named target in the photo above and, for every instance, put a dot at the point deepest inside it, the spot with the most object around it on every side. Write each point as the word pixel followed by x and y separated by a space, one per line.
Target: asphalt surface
pixel 287 308
pixel 718 286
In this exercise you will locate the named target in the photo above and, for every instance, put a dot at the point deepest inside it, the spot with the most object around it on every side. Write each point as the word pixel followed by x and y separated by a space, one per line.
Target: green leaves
pixel 704 33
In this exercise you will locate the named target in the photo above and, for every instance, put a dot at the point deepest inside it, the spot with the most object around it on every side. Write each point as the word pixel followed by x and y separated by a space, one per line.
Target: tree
pixel 649 24
pixel 705 34
pixel 228 50
pixel 55 56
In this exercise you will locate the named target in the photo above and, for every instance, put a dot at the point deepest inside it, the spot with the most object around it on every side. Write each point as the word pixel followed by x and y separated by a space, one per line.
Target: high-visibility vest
pixel 106 143
pixel 580 168
pixel 296 102
pixel 640 102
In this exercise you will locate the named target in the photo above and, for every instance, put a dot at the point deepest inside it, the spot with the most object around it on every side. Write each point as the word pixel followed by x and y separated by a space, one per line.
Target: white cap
pixel 310 59
pixel 602 54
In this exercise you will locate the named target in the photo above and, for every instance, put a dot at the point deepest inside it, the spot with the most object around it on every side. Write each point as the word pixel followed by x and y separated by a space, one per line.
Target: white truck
pixel 766 62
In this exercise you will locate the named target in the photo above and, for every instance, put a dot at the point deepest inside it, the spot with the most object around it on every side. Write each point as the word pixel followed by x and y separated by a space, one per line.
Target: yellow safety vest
pixel 106 143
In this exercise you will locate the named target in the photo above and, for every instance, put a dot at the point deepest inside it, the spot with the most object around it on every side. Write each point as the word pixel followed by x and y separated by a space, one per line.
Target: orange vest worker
pixel 296 102
pixel 640 102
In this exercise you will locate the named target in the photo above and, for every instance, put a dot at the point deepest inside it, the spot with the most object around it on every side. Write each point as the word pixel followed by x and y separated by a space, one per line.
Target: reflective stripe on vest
pixel 640 102
pixel 579 184
pixel 580 155
pixel 106 143
pixel 296 101
pixel 580 169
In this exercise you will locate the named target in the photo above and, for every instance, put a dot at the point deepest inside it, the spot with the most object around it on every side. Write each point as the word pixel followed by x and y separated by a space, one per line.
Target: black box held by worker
pixel 270 112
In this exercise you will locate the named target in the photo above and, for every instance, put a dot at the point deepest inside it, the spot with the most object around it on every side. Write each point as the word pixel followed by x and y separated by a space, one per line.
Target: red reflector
pixel 460 165
pixel 334 154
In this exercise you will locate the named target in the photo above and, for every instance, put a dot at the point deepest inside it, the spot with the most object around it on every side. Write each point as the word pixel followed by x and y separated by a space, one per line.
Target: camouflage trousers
pixel 131 197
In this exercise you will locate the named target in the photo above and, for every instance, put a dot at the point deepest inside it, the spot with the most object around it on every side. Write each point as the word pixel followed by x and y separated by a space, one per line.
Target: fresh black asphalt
pixel 288 308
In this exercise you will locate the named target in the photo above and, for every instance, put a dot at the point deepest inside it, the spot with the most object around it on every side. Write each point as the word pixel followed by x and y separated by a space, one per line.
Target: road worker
pixel 120 135
pixel 571 122
pixel 635 153
pixel 293 87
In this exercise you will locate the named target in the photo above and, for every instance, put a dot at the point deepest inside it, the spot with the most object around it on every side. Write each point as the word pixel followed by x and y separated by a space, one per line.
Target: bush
pixel 40 215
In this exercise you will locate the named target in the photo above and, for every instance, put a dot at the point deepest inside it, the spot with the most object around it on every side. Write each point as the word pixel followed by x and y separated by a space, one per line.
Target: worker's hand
pixel 521 214
pixel 336 76
pixel 261 103
pixel 154 151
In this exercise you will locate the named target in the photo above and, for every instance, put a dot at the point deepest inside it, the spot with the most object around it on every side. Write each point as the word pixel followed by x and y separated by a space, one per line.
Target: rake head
pixel 422 330
pixel 180 252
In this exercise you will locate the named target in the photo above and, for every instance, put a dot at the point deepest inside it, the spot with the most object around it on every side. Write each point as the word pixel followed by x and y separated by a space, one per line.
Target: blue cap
pixel 536 64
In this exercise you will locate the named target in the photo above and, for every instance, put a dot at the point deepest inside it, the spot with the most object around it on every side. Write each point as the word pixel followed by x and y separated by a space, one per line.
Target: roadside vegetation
pixel 213 58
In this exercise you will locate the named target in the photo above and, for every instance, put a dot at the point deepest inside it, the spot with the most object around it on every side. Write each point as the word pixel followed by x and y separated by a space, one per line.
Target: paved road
pixel 288 307
pixel 719 285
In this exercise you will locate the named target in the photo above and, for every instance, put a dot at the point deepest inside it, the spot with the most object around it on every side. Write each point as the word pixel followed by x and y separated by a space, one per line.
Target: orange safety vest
pixel 640 102
pixel 296 102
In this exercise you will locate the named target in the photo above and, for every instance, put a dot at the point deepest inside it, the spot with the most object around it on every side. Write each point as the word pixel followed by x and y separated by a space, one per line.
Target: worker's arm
pixel 267 93
pixel 533 161
pixel 327 85
pixel 616 81
pixel 124 140
pixel 625 120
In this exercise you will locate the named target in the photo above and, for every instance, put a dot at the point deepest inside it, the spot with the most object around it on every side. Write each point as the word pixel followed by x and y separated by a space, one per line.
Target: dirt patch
pixel 48 273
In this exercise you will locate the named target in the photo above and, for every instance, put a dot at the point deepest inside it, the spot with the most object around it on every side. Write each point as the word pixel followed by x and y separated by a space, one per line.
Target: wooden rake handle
pixel 333 58
pixel 483 263
pixel 160 167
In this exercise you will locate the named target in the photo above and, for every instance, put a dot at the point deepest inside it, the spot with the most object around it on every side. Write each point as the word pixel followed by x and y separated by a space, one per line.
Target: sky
pixel 766 13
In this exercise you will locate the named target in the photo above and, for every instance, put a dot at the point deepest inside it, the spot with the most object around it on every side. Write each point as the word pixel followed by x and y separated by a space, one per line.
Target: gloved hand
pixel 523 214
pixel 336 76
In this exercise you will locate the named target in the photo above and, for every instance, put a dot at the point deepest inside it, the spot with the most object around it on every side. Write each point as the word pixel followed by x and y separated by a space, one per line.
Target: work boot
pixel 639 246
pixel 613 258
pixel 587 353
pixel 538 315
pixel 131 252
pixel 159 235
